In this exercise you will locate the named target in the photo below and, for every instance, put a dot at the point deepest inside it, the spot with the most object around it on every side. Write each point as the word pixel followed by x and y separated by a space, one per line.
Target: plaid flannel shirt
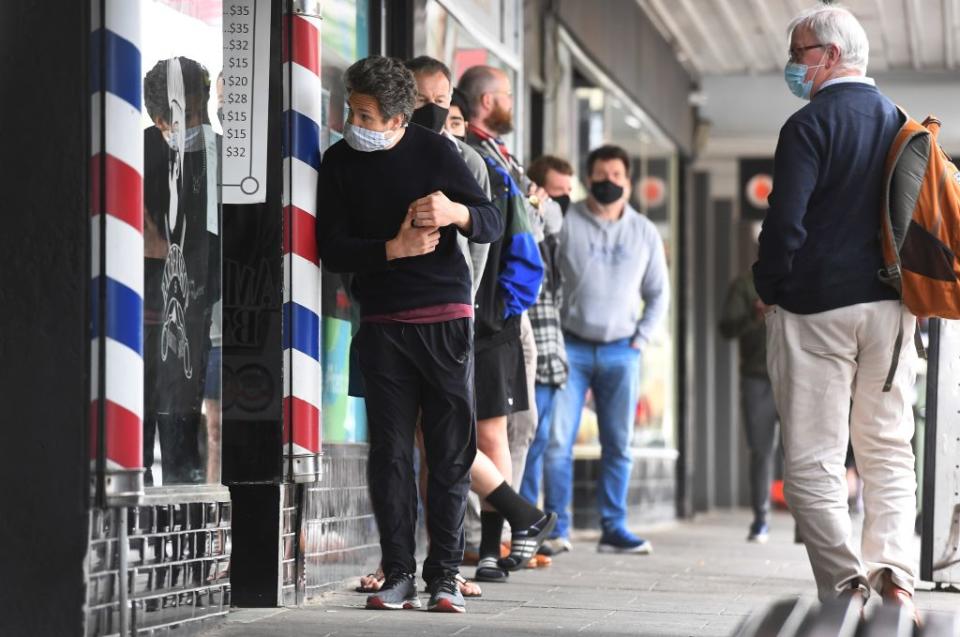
pixel 552 366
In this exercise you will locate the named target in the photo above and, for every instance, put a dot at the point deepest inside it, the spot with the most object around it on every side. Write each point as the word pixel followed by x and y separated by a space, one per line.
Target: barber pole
pixel 301 265
pixel 116 230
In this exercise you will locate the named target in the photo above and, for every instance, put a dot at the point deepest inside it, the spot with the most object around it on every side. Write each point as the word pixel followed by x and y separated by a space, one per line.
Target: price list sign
pixel 246 76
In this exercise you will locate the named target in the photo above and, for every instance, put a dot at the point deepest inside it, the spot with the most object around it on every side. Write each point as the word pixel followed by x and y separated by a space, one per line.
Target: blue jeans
pixel 612 371
pixel 533 472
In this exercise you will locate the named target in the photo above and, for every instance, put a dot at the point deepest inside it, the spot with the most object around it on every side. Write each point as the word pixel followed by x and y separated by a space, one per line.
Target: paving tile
pixel 703 579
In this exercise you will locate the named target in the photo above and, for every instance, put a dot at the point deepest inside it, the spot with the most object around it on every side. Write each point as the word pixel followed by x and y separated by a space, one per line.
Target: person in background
pixel 181 264
pixel 833 328
pixel 413 287
pixel 458 116
pixel 508 287
pixel 611 261
pixel 556 177
pixel 742 319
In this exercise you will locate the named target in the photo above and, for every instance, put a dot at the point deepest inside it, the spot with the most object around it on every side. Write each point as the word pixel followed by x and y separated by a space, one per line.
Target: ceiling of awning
pixel 736 37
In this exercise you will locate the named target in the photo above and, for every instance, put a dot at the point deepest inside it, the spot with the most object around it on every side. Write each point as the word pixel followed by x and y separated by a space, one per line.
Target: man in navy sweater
pixel 832 326
pixel 393 199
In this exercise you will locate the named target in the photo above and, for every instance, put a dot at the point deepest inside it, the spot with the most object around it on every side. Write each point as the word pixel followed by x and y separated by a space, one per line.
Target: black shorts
pixel 500 376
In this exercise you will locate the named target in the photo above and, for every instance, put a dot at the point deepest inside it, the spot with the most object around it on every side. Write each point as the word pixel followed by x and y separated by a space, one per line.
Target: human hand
pixel 412 241
pixel 760 309
pixel 435 210
pixel 536 196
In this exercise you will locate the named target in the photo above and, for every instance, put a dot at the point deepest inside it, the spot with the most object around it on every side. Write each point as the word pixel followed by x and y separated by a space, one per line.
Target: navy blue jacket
pixel 820 245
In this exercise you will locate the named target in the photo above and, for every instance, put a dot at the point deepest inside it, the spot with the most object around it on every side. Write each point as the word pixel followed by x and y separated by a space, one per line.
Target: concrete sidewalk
pixel 702 579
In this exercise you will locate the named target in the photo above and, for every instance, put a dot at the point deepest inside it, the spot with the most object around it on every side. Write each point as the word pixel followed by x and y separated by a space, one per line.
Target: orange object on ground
pixel 776 495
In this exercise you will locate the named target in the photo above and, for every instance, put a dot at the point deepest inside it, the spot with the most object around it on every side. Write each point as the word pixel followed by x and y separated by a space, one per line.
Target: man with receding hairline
pixel 509 285
pixel 832 325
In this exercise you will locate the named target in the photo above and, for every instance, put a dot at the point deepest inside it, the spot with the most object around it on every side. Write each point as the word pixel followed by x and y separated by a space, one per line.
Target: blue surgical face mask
pixel 366 140
pixel 794 74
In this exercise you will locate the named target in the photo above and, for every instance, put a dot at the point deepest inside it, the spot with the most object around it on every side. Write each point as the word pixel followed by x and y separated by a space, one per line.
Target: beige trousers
pixel 828 371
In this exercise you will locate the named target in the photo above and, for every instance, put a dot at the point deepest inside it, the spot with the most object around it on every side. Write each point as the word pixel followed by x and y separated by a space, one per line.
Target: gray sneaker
pixel 555 546
pixel 445 596
pixel 399 592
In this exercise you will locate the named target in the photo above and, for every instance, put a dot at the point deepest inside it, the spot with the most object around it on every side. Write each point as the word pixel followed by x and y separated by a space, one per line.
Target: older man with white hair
pixel 834 329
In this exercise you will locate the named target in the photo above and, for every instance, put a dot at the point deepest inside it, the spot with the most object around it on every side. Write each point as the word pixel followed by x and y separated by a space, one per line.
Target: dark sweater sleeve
pixel 795 173
pixel 486 222
pixel 339 250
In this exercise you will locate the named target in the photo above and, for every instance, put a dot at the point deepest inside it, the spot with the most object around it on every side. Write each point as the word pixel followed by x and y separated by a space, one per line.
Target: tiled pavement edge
pixel 702 579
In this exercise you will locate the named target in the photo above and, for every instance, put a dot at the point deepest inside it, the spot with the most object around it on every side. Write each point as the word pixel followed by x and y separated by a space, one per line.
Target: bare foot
pixel 372 582
pixel 468 589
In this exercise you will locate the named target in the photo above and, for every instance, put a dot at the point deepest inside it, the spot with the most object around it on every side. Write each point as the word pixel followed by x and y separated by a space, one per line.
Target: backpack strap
pixel 897 345
pixel 918 342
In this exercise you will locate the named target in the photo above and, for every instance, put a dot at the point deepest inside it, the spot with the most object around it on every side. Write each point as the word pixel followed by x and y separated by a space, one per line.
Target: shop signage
pixel 756 184
pixel 758 190
pixel 246 76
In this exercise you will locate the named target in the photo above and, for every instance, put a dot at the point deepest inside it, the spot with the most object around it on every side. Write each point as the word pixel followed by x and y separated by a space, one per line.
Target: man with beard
pixel 509 285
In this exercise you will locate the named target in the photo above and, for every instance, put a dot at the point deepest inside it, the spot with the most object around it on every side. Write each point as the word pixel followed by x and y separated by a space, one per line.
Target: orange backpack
pixel 920 227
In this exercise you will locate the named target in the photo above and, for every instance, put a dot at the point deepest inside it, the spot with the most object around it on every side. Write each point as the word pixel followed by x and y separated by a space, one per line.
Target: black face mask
pixel 606 192
pixel 462 138
pixel 563 201
pixel 430 116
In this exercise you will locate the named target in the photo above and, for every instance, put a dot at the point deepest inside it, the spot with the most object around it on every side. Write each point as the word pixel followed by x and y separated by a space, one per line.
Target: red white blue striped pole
pixel 116 226
pixel 301 292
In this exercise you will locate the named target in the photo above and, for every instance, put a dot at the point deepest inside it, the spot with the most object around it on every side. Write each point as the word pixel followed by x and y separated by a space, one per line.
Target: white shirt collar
pixel 850 79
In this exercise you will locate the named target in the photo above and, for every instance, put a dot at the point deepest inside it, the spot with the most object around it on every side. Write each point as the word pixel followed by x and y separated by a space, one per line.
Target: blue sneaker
pixel 620 540
pixel 759 533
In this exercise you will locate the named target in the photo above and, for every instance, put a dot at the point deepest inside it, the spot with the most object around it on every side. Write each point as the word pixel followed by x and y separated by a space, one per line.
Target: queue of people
pixel 458 263
pixel 490 305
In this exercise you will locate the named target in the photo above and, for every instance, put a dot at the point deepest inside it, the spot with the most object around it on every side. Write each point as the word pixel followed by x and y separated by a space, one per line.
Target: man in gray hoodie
pixel 615 290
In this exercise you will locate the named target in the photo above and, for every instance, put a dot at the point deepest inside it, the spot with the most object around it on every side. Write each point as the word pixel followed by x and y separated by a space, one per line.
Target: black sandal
pixel 489 571
pixel 525 543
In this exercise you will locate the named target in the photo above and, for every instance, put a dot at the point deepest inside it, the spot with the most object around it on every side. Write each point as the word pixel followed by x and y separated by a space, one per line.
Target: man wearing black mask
pixel 555 175
pixel 611 259
pixel 434 89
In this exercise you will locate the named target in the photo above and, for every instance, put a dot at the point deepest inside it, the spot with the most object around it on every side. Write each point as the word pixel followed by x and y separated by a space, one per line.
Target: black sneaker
pixel 525 542
pixel 445 596
pixel 399 592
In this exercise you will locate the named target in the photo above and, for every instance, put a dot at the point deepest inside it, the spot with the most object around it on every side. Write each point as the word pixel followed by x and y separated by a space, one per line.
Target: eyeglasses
pixel 797 53
pixel 507 93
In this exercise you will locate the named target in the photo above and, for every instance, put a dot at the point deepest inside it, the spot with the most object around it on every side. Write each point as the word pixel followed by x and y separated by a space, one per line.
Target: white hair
pixel 836 25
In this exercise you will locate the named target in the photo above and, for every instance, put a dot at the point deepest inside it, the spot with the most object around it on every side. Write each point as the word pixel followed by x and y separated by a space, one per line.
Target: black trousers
pixel 407 369
pixel 760 418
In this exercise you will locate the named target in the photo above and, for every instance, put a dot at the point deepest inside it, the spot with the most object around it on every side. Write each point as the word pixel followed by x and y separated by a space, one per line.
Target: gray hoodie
pixel 608 267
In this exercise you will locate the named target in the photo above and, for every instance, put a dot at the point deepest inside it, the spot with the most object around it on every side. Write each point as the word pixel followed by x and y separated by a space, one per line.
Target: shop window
pixel 450 41
pixel 603 118
pixel 344 39
pixel 182 104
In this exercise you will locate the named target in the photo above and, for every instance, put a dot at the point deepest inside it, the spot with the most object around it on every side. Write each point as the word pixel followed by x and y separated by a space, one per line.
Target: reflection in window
pixel 450 42
pixel 181 150
pixel 343 40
